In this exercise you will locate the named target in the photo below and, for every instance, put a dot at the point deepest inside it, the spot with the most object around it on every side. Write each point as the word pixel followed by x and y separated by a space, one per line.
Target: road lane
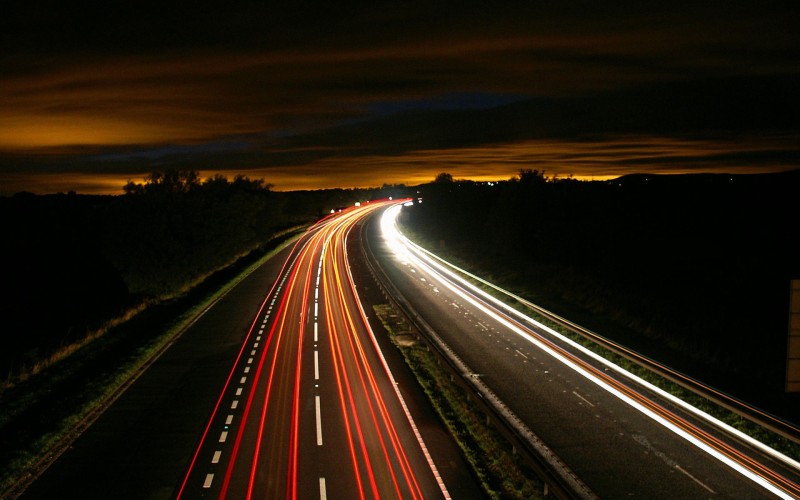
pixel 310 409
pixel 619 442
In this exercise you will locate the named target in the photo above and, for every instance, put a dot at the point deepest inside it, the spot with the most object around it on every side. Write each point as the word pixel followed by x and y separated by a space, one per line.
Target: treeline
pixel 73 262
pixel 692 270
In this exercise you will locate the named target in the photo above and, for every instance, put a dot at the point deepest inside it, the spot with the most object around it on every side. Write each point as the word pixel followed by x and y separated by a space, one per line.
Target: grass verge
pixel 501 472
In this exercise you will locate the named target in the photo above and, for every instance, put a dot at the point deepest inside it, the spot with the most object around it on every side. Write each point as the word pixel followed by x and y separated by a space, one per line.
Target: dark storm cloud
pixel 366 90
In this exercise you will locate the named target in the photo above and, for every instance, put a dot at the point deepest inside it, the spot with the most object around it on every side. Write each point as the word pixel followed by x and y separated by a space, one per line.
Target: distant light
pixel 408 204
pixel 358 203
pixel 333 211
pixel 390 198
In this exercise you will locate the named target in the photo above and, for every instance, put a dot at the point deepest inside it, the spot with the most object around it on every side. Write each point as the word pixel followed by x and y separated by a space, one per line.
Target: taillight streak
pixel 365 369
pixel 233 370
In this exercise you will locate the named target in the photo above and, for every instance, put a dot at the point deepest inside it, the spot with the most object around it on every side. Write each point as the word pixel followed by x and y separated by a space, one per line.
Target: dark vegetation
pixel 72 264
pixel 691 270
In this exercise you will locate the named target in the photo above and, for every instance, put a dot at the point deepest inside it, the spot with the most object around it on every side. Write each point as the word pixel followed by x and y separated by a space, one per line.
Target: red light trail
pixel 349 397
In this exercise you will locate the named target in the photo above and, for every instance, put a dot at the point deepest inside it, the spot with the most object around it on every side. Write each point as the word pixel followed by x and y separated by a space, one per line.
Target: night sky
pixel 341 94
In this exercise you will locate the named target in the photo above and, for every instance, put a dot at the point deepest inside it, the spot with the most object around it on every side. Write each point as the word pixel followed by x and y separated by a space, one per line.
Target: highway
pixel 310 408
pixel 620 435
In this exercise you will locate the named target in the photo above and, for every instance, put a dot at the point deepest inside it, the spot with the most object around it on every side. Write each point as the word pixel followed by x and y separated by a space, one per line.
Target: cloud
pixel 310 85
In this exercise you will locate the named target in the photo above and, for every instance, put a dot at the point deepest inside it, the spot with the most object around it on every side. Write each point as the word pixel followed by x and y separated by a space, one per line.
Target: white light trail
pixel 408 252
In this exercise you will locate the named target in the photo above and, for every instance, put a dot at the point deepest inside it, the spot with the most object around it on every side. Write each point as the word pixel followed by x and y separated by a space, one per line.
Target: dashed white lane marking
pixel 316 309
pixel 229 420
pixel 583 398
pixel 319 421
pixel 249 361
pixel 316 329
pixel 215 458
pixel 247 369
pixel 316 365
pixel 243 380
pixel 253 352
pixel 238 391
pixel 209 479
pixel 323 495
pixel 223 436
pixel 234 404
pixel 255 345
pixel 695 479
pixel 520 353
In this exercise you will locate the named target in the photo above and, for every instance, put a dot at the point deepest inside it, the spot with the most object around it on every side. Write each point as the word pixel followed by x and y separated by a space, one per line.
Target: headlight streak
pixel 407 252
pixel 636 379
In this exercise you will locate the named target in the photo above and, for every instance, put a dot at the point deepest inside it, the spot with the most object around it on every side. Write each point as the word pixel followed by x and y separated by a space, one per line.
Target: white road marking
pixel 316 329
pixel 520 353
pixel 249 360
pixel 319 422
pixel 323 495
pixel 229 420
pixel 215 458
pixel 316 310
pixel 239 391
pixel 234 404
pixel 583 398
pixel 243 380
pixel 223 436
pixel 255 345
pixel 207 482
pixel 253 352
pixel 247 369
pixel 695 479
pixel 316 365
